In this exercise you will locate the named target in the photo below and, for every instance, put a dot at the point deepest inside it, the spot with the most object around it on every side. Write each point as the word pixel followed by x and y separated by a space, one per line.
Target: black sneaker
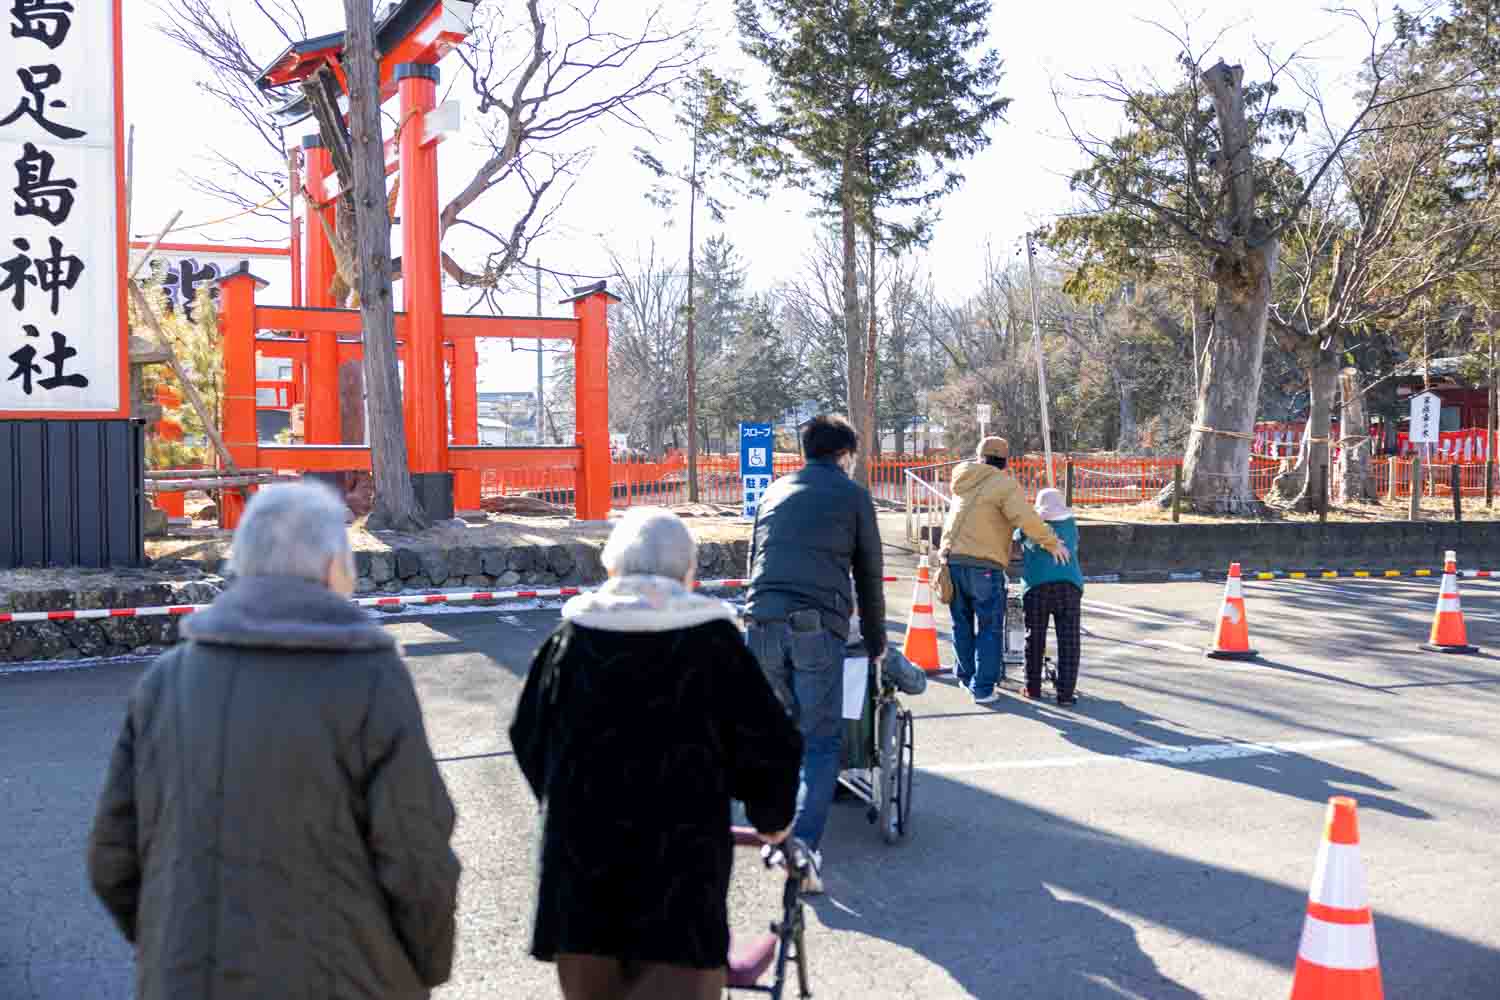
pixel 1066 700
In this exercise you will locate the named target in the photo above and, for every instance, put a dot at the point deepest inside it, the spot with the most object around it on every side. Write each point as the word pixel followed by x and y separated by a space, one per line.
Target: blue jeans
pixel 806 670
pixel 978 626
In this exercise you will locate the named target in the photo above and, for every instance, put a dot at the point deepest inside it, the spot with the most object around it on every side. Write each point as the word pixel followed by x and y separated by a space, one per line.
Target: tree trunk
pixel 854 337
pixel 352 402
pixel 395 507
pixel 1353 482
pixel 871 359
pixel 1322 380
pixel 1216 466
pixel 1129 435
pixel 692 339
pixel 901 438
pixel 1300 484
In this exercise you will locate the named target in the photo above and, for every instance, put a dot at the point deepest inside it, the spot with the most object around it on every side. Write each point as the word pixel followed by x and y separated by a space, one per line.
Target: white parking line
pixel 1193 754
pixel 1137 614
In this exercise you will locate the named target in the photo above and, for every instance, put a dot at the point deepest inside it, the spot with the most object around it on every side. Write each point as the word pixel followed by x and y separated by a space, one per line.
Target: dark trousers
pixel 1062 602
pixel 596 977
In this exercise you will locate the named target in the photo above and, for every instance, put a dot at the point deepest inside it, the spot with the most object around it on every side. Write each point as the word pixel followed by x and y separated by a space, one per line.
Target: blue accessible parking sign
pixel 757 446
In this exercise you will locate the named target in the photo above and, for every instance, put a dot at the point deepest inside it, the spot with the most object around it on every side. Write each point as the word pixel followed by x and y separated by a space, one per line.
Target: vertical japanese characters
pixel 59 254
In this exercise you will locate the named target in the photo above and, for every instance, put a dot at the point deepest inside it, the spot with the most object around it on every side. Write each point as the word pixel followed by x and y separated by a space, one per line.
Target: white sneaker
pixel 986 699
pixel 812 880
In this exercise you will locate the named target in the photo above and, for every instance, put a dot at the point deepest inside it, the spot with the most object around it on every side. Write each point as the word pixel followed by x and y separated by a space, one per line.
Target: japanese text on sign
pixel 1426 416
pixel 757 448
pixel 60 341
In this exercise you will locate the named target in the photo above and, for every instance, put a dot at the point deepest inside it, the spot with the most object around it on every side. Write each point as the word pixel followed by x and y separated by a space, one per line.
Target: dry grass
pixel 1433 509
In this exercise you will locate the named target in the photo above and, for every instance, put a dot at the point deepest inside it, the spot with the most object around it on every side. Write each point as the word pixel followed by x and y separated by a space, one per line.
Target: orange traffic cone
pixel 921 646
pixel 1232 638
pixel 1449 635
pixel 1337 959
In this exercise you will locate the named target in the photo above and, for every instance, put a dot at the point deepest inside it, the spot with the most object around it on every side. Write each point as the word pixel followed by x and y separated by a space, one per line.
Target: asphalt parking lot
pixel 1155 842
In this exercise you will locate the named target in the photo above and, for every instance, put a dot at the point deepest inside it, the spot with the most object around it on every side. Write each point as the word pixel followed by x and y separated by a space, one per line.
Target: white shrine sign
pixel 63 341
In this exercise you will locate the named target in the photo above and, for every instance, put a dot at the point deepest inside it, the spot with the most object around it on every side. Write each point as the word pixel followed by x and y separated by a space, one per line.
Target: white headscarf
pixel 1051 506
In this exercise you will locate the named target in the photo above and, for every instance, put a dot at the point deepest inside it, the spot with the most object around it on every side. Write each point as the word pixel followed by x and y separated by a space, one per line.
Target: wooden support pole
pixel 208 420
pixel 1177 493
pixel 1068 481
pixel 1456 485
pixel 1415 513
pixel 1323 493
pixel 1489 482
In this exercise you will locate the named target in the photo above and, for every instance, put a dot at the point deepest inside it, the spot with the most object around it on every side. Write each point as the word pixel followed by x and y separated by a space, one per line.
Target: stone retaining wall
pixel 1130 551
pixel 401 570
pixel 1153 551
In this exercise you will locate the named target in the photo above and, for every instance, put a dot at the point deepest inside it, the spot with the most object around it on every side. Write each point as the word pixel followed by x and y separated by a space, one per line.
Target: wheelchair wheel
pixel 895 731
pixel 907 762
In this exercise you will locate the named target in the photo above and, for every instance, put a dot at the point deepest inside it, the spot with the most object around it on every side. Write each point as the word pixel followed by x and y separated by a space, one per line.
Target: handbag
pixel 942 580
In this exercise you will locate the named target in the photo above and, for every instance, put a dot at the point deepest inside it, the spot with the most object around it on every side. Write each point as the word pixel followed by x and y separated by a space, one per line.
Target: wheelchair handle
pixel 800 854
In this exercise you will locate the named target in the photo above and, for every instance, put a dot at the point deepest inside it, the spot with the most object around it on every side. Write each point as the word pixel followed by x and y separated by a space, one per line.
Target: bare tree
pixel 648 375
pixel 395 507
pixel 1382 232
pixel 208 30
pixel 543 77
pixel 1215 166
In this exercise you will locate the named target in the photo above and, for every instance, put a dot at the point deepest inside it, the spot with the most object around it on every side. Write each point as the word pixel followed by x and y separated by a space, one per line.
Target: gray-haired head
pixel 651 542
pixel 295 529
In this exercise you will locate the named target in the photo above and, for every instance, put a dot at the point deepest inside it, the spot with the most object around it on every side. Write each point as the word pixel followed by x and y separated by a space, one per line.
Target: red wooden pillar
pixel 424 400
pixel 463 383
pixel 237 328
pixel 591 400
pixel 321 417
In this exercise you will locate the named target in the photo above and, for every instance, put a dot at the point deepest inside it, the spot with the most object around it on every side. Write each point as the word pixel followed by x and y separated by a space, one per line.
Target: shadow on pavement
pixel 1012 900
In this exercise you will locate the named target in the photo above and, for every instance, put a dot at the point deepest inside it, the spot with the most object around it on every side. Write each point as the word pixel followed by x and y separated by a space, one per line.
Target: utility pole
pixel 692 340
pixel 1041 367
pixel 540 389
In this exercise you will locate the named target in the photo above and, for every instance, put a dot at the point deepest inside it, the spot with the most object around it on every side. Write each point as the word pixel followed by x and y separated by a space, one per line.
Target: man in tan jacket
pixel 988 505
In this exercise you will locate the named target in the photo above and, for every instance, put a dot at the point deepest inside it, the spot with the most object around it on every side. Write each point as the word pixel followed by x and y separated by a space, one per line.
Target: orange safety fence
pixel 1096 481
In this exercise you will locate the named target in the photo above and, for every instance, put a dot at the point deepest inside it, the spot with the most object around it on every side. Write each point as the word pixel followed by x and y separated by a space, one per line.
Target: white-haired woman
pixel 273 823
pixel 643 715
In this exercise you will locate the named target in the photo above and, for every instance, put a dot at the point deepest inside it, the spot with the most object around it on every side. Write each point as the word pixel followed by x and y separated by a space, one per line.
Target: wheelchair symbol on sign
pixel 758 457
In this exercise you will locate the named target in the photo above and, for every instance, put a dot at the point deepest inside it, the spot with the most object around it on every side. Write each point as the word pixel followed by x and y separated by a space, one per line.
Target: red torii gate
pixel 412 37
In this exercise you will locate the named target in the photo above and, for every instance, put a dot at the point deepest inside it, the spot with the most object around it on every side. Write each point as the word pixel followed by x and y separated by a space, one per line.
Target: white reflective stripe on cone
pixel 1338 946
pixel 1339 878
pixel 1233 588
pixel 923 594
pixel 922 619
pixel 1449 604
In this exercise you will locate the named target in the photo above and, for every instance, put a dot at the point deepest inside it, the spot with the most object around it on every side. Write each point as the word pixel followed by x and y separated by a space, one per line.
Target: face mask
pixel 847 464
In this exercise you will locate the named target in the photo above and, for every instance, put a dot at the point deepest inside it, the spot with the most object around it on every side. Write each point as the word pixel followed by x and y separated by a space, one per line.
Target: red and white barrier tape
pixel 394 600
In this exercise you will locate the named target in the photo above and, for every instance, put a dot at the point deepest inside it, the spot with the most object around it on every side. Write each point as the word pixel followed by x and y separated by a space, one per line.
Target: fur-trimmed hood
pixel 644 604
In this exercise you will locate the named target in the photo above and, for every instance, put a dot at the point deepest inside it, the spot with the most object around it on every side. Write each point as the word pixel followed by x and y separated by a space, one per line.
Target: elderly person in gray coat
pixel 273 823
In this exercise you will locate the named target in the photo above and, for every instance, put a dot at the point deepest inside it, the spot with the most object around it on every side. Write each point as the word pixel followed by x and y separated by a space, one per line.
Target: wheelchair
pixel 879 751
